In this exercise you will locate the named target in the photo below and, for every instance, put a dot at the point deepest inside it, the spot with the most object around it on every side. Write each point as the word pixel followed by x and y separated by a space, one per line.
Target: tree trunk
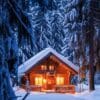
pixel 91 48
pixel 91 61
pixel 91 70
pixel 98 67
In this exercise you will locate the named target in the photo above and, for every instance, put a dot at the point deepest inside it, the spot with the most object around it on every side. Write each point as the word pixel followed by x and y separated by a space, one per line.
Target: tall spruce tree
pixel 91 36
pixel 72 27
pixel 13 26
pixel 57 31
pixel 87 42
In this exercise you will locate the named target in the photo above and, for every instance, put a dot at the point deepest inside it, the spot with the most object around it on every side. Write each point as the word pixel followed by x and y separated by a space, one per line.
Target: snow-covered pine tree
pixel 40 26
pixel 14 26
pixel 26 40
pixel 90 21
pixel 96 15
pixel 6 46
pixel 85 45
pixel 46 25
pixel 56 21
pixel 72 26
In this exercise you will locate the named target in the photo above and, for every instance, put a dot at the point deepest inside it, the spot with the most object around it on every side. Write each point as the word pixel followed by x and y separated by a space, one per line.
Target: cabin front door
pixel 50 82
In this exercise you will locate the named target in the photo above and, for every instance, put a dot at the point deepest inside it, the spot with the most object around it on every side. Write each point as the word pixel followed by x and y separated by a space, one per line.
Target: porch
pixel 56 89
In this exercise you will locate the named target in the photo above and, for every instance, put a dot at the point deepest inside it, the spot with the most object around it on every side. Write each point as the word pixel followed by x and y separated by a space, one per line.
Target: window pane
pixel 60 81
pixel 51 67
pixel 38 80
pixel 43 67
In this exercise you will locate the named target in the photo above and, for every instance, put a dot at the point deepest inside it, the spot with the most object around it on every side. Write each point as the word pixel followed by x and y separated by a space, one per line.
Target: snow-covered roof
pixel 39 56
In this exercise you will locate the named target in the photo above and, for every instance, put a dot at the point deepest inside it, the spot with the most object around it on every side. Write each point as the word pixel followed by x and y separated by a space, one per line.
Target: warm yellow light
pixel 38 81
pixel 43 67
pixel 59 80
pixel 51 67
pixel 44 81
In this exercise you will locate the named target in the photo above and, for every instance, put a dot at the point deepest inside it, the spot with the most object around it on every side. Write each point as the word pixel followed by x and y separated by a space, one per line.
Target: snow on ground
pixel 85 95
pixel 46 96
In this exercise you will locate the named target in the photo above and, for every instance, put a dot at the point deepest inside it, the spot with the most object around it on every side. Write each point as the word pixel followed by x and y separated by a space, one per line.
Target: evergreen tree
pixel 12 21
pixel 40 27
pixel 46 25
pixel 90 35
pixel 72 26
pixel 85 47
pixel 57 31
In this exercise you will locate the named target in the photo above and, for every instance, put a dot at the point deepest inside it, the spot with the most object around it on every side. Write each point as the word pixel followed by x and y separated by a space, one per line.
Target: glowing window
pixel 51 67
pixel 43 67
pixel 60 81
pixel 38 81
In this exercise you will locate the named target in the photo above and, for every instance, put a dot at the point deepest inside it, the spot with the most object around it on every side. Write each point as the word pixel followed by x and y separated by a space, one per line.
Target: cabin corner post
pixel 69 75
pixel 20 76
pixel 27 83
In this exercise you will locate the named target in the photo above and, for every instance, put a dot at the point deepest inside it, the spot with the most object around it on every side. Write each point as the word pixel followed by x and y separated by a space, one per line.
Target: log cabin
pixel 48 71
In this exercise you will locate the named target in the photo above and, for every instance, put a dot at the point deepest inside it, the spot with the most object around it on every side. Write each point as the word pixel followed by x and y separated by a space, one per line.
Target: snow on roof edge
pixel 39 56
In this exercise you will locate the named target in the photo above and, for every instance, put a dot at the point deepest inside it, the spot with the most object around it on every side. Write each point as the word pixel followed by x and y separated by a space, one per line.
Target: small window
pixel 51 68
pixel 38 81
pixel 60 81
pixel 43 67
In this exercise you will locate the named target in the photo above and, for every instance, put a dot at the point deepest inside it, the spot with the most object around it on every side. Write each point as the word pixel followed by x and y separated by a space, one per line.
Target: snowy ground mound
pixel 85 95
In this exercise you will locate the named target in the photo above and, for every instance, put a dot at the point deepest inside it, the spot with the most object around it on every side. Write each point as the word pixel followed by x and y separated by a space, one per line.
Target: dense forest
pixel 71 27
